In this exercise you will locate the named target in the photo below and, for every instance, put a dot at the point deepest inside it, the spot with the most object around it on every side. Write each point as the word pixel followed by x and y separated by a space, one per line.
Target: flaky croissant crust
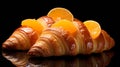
pixel 25 36
pixel 58 42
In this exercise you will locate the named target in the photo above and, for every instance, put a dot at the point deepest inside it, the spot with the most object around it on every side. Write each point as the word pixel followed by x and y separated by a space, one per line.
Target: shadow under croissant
pixel 93 60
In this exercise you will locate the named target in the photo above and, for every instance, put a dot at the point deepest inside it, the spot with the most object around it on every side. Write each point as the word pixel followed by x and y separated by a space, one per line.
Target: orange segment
pixel 93 27
pixel 59 13
pixel 66 25
pixel 33 24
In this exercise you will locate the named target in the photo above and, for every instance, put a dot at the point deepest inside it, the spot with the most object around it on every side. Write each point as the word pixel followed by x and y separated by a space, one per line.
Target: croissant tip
pixel 4 46
pixel 7 46
pixel 34 52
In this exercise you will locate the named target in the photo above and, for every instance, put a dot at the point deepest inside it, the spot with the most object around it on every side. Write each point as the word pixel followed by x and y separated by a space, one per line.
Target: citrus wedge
pixel 59 13
pixel 33 24
pixel 66 25
pixel 93 27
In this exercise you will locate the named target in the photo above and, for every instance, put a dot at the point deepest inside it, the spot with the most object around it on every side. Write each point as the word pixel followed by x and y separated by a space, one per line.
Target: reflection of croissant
pixel 24 37
pixel 57 42
pixel 19 59
pixel 99 60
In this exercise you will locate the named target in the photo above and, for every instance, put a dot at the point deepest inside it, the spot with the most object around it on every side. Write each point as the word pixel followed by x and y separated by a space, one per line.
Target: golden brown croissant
pixel 25 36
pixel 58 41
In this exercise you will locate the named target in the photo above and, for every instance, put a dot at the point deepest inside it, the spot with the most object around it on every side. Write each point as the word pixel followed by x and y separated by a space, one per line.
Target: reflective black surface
pixel 94 60
pixel 106 13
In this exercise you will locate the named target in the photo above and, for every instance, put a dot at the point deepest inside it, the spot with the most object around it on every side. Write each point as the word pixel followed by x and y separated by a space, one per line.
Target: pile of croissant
pixel 57 41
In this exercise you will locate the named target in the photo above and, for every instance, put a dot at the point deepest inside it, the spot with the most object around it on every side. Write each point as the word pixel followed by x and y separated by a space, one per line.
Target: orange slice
pixel 33 24
pixel 59 13
pixel 93 27
pixel 66 25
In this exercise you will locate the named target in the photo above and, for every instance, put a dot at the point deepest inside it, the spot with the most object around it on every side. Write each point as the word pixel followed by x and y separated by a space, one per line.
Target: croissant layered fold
pixel 24 36
pixel 22 39
pixel 58 42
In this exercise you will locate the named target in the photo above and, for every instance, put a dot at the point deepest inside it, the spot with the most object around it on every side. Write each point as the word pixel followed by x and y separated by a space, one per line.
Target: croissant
pixel 25 36
pixel 57 41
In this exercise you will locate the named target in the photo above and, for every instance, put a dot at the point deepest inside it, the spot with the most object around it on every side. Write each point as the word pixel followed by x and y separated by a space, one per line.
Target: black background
pixel 106 13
